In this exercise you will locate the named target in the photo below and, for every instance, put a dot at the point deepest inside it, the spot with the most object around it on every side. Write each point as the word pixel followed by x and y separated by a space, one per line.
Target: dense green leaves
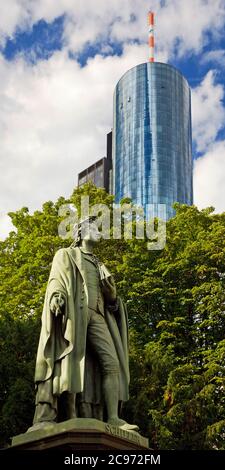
pixel 181 292
pixel 175 299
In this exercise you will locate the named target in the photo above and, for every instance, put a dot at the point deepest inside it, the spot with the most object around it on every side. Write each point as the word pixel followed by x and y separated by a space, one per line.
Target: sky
pixel 59 64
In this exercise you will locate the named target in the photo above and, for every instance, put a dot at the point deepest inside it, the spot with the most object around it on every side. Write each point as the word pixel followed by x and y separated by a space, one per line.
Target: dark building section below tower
pixel 95 173
pixel 99 172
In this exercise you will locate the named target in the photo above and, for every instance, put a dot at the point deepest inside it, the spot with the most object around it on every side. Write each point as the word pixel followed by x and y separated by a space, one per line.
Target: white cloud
pixel 209 176
pixel 217 56
pixel 208 113
pixel 5 226
pixel 54 118
pixel 14 13
pixel 181 26
pixel 208 117
pixel 184 25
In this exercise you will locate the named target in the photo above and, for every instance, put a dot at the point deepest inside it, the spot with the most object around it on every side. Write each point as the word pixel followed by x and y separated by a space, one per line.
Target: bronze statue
pixel 82 360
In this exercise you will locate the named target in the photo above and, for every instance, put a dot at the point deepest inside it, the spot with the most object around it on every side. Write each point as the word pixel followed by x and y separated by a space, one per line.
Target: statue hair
pixel 77 230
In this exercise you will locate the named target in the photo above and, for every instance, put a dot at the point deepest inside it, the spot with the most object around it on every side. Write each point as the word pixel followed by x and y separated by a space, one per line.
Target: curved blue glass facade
pixel 152 145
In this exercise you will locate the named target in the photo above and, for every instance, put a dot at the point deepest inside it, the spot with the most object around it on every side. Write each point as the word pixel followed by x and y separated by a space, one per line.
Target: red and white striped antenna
pixel 151 41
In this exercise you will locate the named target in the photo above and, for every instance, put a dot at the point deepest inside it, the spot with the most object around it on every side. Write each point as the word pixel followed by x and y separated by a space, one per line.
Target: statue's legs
pixel 66 406
pixel 102 344
pixel 101 341
pixel 85 410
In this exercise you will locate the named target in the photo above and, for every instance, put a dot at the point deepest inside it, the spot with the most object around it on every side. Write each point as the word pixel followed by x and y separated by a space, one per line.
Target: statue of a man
pixel 82 359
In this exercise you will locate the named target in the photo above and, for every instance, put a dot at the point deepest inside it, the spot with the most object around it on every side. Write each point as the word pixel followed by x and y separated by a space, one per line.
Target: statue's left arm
pixel 109 292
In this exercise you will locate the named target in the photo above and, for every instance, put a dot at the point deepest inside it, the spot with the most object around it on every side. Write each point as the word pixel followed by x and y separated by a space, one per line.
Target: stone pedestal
pixel 80 434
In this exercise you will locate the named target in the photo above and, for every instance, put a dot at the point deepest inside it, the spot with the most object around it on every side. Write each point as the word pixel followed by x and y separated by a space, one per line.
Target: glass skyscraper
pixel 152 145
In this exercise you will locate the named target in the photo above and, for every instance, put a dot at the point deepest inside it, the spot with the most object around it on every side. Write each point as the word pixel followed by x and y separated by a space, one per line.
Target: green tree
pixel 180 295
pixel 175 299
pixel 25 261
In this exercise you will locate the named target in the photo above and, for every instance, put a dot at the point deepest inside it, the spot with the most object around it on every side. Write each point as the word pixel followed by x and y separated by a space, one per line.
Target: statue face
pixel 91 232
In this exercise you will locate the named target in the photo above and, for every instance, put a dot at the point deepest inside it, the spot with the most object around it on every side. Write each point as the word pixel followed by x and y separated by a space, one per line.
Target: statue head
pixel 86 229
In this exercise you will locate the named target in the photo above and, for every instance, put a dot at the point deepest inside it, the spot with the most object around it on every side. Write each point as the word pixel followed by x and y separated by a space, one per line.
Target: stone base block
pixel 80 434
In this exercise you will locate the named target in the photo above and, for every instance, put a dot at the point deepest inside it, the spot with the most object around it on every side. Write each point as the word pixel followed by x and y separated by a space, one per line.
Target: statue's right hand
pixel 56 304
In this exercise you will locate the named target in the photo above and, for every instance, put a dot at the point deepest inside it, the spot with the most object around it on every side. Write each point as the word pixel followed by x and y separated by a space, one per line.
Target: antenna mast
pixel 151 36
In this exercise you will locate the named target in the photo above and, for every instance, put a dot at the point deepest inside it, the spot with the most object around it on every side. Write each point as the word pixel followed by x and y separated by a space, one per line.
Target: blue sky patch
pixel 38 43
pixel 103 48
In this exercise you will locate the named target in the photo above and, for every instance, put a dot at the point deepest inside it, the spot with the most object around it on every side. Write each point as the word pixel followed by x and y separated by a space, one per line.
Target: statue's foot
pixel 41 425
pixel 123 424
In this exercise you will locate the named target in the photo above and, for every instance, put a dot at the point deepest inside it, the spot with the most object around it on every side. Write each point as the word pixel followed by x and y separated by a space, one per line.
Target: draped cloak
pixel 63 363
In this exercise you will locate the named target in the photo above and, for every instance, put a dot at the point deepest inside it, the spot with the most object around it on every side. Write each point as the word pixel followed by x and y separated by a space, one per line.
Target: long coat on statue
pixel 63 363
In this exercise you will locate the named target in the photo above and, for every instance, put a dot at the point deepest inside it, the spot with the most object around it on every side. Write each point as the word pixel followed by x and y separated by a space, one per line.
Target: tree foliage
pixel 180 294
pixel 175 299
